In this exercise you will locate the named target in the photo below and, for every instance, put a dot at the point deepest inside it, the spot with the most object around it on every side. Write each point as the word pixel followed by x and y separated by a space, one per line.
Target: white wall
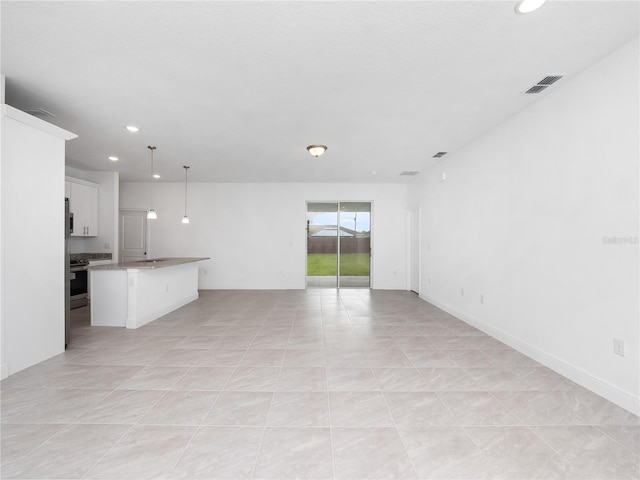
pixel 32 239
pixel 255 233
pixel 4 369
pixel 524 217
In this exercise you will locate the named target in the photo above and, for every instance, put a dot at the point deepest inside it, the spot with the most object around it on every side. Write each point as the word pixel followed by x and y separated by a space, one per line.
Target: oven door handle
pixel 78 269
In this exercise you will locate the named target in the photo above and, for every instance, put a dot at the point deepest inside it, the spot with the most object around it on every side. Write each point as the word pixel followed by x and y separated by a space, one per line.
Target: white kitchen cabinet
pixel 91 210
pixel 83 203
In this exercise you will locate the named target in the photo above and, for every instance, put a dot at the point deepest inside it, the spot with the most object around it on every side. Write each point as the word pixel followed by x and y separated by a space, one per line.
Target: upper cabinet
pixel 83 203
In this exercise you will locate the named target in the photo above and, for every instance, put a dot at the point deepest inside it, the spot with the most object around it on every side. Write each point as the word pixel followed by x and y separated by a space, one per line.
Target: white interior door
pixel 133 235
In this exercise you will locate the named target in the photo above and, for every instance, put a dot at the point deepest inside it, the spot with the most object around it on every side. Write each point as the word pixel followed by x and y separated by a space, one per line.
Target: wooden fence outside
pixel 347 244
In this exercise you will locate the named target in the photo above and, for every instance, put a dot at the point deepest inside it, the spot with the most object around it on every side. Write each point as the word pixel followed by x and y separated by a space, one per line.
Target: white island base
pixel 131 295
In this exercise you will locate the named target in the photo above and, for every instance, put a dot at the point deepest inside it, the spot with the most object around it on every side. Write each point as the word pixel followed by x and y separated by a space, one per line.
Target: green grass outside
pixel 325 264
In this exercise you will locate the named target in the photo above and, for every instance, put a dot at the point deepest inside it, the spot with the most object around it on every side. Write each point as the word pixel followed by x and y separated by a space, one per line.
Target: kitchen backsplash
pixel 89 256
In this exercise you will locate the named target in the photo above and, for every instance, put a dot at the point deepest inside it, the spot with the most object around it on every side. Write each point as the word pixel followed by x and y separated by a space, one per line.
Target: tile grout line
pixel 395 422
pixel 331 427
pixel 137 423
pixel 266 420
pixel 482 451
pixel 411 319
pixel 627 447
pixel 197 427
pixel 579 469
pixel 124 434
pixel 29 452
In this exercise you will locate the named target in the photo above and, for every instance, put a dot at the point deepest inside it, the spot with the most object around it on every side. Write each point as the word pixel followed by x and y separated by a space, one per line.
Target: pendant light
pixel 185 219
pixel 151 214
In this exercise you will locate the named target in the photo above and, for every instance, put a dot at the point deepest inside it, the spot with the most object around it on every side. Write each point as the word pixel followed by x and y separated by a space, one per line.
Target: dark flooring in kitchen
pixel 80 317
pixel 348 384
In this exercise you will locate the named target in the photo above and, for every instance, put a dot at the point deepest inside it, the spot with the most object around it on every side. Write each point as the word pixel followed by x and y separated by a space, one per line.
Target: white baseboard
pixel 4 371
pixel 620 397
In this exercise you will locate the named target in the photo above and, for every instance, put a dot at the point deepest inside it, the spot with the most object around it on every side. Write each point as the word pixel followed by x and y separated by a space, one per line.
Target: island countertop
pixel 150 264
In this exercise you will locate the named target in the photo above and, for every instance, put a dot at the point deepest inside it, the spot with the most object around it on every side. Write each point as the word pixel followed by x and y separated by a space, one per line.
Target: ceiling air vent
pixel 544 83
pixel 39 112
pixel 550 80
pixel 440 154
pixel 409 173
pixel 536 89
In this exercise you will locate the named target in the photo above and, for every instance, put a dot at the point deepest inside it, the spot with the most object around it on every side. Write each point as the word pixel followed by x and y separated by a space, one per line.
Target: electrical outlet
pixel 462 292
pixel 482 299
pixel 618 347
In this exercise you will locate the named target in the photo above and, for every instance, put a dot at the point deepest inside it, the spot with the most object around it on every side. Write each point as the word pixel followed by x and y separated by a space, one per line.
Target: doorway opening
pixel 338 244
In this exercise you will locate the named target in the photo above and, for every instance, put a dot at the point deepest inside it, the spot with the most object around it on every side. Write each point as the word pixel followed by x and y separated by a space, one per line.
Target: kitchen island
pixel 135 293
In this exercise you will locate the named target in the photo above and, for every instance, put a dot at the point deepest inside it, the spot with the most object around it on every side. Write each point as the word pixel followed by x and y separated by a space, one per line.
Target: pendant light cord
pixel 152 148
pixel 186 171
pixel 152 179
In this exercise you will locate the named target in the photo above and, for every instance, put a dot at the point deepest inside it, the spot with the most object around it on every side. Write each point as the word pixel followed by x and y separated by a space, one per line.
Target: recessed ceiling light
pixel 155 175
pixel 132 128
pixel 113 159
pixel 528 6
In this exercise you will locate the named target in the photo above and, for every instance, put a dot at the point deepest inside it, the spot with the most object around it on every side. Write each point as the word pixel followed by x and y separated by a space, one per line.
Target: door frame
pixel 415 250
pixel 371 240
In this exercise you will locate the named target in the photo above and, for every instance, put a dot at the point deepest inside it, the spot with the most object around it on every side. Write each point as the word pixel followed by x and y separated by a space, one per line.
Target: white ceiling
pixel 237 90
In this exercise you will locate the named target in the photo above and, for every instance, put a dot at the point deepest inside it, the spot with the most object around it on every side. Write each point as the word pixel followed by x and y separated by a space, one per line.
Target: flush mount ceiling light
pixel 113 159
pixel 151 214
pixel 132 128
pixel 317 150
pixel 155 175
pixel 528 6
pixel 185 219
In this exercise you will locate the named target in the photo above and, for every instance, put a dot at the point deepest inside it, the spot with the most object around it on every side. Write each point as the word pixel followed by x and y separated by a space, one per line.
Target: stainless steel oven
pixel 79 283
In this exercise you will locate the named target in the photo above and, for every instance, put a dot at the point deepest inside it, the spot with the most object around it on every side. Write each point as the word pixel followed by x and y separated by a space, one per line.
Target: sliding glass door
pixel 354 244
pixel 339 244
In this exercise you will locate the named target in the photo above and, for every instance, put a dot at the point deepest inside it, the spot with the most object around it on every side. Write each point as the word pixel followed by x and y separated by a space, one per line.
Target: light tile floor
pixel 320 384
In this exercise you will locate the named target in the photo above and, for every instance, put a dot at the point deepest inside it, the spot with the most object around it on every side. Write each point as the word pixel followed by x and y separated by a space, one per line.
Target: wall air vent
pixel 39 112
pixel 544 83
pixel 409 173
pixel 440 154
